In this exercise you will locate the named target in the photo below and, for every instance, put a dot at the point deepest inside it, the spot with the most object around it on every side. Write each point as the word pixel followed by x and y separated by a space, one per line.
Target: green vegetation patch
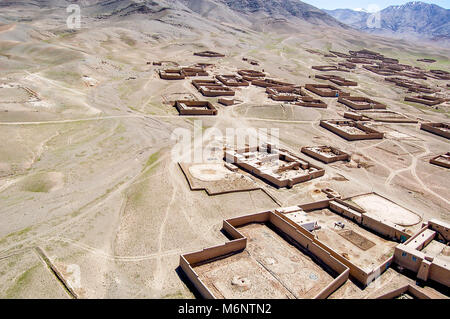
pixel 21 282
pixel 152 160
pixel 39 183
pixel 18 233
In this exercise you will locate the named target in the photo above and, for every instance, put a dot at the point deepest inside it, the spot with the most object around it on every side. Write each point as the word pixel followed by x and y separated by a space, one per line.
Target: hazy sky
pixel 365 4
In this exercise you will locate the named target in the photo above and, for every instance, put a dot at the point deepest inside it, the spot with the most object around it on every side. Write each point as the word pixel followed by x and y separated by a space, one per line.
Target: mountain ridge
pixel 415 18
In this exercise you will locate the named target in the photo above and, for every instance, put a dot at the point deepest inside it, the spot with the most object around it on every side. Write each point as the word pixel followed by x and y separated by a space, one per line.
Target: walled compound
pixel 360 103
pixel 232 80
pixel 279 168
pixel 325 68
pixel 348 65
pixel 172 74
pixel 439 74
pixel 441 160
pixel 294 94
pixel 360 231
pixel 326 154
pixel 411 85
pixel 427 60
pixel 351 130
pixel 379 116
pixel 308 101
pixel 304 251
pixel 337 80
pixel 209 54
pixel 340 54
pixel 325 90
pixel 427 253
pixel 267 257
pixel 441 129
pixel 212 88
pixel 265 83
pixel 195 108
pixel 250 75
pixel 285 93
pixel 425 99
pixel 182 73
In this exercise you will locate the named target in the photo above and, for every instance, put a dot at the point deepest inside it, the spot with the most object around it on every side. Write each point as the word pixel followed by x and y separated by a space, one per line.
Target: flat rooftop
pixel 438 250
pixel 270 163
pixel 386 210
pixel 363 248
pixel 279 167
pixel 270 267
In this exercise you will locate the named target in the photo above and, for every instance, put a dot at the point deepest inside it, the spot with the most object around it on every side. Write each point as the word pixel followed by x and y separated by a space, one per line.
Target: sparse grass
pixel 18 233
pixel 177 295
pixel 134 109
pixel 128 40
pixel 23 280
pixel 39 183
pixel 151 160
pixel 38 187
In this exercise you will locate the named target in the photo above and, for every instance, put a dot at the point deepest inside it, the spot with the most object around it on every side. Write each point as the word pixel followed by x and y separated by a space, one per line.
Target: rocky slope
pixel 412 19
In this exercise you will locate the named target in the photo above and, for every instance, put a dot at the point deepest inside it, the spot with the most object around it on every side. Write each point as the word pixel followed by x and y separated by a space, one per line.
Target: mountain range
pixel 414 19
pixel 223 10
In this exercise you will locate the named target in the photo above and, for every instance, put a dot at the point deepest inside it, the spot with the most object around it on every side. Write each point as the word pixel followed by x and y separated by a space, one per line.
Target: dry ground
pixel 86 173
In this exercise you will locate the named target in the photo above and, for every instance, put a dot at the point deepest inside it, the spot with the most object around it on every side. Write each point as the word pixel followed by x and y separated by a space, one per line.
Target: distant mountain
pixel 282 8
pixel 246 12
pixel 411 19
pixel 350 17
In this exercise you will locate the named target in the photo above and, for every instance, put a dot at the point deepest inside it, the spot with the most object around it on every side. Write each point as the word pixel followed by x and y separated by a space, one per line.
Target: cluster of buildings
pixel 396 73
pixel 277 167
pixel 310 251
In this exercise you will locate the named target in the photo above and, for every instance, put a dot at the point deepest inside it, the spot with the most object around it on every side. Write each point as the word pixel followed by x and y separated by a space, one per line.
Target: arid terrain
pixel 92 204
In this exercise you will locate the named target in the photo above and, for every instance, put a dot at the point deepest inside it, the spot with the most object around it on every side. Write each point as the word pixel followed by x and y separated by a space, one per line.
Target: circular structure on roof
pixel 208 172
pixel 386 210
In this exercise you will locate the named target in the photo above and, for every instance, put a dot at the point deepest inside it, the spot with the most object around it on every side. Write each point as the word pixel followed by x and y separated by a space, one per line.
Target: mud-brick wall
pixel 435 130
pixel 440 272
pixel 216 251
pixel 233 232
pixel 408 258
pixel 342 210
pixel 374 274
pixel 441 228
pixel 188 260
pixel 307 243
pixel 333 286
pixel 394 293
pixel 253 218
pixel 195 280
pixel 383 228
pixel 289 230
pixel 356 272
